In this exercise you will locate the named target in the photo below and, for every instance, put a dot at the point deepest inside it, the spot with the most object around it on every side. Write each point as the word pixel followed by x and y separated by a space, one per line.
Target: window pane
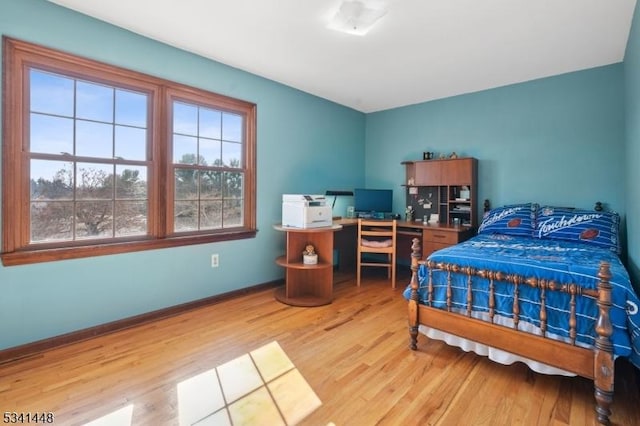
pixel 131 143
pixel 232 127
pixel 185 119
pixel 233 213
pixel 131 218
pixel 186 183
pixel 51 180
pixel 51 221
pixel 185 150
pixel 185 216
pixel 210 152
pixel 211 185
pixel 94 139
pixel 131 183
pixel 51 135
pixel 94 219
pixel 94 181
pixel 211 215
pixel 51 93
pixel 210 123
pixel 94 102
pixel 232 185
pixel 231 154
pixel 131 108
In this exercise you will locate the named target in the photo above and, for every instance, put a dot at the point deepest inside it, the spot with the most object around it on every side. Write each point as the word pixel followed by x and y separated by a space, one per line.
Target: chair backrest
pixel 377 236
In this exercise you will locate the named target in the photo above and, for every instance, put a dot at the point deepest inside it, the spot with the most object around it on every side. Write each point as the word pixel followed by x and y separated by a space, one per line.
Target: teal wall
pixel 305 145
pixel 632 148
pixel 557 140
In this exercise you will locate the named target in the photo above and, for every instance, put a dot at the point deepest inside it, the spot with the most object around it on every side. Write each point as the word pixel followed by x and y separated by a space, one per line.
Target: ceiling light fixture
pixel 356 17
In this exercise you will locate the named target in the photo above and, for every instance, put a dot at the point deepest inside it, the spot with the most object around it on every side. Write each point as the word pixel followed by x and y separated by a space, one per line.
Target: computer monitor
pixel 373 200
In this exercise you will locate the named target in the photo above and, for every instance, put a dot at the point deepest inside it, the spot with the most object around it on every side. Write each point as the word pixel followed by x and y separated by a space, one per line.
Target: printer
pixel 305 211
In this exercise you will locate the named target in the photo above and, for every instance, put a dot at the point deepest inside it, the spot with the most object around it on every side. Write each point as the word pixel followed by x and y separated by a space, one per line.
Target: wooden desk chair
pixel 379 237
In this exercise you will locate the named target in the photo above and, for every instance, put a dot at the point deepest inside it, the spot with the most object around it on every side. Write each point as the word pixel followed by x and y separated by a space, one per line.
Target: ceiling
pixel 420 50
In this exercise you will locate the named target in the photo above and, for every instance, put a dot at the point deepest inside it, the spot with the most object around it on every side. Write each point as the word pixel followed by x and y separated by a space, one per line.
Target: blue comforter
pixel 562 261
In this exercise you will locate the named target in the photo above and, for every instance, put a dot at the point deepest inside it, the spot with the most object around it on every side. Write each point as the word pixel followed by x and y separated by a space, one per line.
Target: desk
pixel 433 237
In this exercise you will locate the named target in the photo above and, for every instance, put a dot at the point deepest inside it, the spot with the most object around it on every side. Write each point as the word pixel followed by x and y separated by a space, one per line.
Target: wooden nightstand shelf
pixel 307 285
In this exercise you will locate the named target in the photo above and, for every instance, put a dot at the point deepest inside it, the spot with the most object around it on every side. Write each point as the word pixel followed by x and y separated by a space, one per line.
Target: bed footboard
pixel 595 363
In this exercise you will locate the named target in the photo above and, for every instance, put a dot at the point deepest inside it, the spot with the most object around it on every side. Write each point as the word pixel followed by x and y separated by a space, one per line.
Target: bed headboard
pixel 487 205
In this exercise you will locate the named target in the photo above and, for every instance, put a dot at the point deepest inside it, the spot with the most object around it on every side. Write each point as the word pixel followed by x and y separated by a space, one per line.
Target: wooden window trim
pixel 18 57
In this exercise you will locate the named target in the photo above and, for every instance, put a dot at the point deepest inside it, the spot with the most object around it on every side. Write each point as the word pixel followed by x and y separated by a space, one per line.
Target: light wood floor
pixel 354 353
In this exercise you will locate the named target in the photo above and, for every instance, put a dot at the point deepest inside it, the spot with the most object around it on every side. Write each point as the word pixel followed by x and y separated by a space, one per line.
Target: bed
pixel 538 284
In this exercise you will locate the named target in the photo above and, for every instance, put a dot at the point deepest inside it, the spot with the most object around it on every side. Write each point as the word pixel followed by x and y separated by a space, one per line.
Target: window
pixel 101 160
pixel 207 162
pixel 87 160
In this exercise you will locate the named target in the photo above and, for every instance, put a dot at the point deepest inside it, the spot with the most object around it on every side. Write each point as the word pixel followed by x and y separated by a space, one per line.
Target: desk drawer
pixel 438 236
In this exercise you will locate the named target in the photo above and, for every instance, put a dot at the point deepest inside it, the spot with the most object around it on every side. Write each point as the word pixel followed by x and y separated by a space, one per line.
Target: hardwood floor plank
pixel 354 353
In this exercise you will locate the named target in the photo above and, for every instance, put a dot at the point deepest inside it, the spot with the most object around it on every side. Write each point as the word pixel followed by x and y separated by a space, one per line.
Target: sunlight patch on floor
pixel 261 387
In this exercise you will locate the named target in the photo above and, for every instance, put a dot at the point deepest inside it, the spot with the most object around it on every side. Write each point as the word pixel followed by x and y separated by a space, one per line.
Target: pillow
pixel 515 220
pixel 586 226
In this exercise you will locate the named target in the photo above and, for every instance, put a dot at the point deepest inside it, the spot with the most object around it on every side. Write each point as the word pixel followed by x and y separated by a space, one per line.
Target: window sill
pixel 29 256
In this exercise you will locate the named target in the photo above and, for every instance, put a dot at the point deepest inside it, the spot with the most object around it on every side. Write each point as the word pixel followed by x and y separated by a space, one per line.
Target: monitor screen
pixel 373 200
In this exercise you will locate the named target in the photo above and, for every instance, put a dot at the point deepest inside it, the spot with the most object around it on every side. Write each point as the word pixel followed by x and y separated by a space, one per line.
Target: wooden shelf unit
pixel 307 285
pixel 444 182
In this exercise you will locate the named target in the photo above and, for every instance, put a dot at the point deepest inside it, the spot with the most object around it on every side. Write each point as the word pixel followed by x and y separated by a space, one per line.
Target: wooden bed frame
pixel 596 364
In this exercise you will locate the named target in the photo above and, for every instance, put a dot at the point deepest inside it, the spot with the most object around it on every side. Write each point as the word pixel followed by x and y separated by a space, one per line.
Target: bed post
pixel 413 299
pixel 603 363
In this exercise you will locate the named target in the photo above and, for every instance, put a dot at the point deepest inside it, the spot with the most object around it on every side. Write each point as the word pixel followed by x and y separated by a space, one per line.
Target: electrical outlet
pixel 215 260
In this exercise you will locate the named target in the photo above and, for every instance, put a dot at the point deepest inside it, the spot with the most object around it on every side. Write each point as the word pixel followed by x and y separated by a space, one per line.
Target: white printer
pixel 305 211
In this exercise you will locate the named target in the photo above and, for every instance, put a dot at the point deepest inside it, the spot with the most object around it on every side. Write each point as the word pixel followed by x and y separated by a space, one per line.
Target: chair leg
pixel 393 271
pixel 393 276
pixel 358 272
